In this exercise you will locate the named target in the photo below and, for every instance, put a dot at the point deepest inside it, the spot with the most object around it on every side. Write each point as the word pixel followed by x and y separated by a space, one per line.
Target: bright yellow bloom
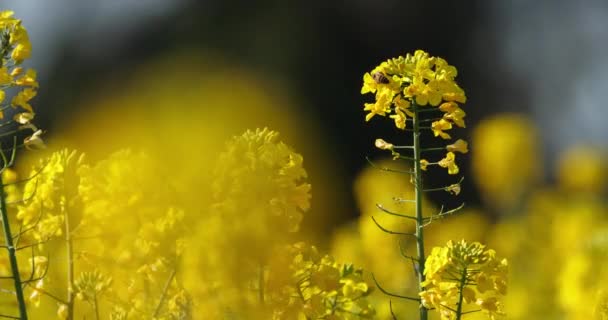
pixel 417 78
pixel 20 39
pixel 318 286
pixel 22 99
pixel 399 118
pixel 449 162
pixel 453 113
pixel 458 146
pixel 381 107
pixel 452 271
pixel 439 126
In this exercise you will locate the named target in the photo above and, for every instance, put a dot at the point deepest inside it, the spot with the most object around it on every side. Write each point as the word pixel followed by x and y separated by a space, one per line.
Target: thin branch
pixel 379 206
pixel 442 188
pixel 392 294
pixel 387 169
pixel 390 305
pixel 164 293
pixel 50 295
pixel 472 311
pixel 392 232
pixel 397 199
pixel 443 214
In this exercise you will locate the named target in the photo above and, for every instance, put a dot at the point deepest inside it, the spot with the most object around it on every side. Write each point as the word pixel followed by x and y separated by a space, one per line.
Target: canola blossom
pixel 15 48
pixel 413 90
pixel 406 89
pixel 464 274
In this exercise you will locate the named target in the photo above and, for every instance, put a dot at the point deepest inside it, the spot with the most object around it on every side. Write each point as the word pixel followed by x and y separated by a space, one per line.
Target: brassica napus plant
pixel 420 94
pixel 243 243
pixel 16 115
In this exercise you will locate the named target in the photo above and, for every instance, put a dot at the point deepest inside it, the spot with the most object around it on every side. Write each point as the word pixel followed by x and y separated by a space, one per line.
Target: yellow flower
pixel 452 272
pixel 454 189
pixel 22 99
pixel 5 78
pixel 507 159
pixel 28 79
pixel 453 113
pixel 455 96
pixel 458 146
pixel 260 184
pixel 399 118
pixel 21 41
pixel 17 71
pixel 23 118
pixel 423 164
pixel 448 162
pixel 381 106
pixel 383 145
pixel 420 78
pixel 439 126
pixel 582 169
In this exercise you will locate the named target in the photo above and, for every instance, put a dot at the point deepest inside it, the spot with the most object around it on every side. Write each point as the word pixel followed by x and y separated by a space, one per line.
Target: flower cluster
pixel 46 196
pixel 260 177
pixel 317 287
pixel 462 274
pixel 15 47
pixel 142 252
pixel 403 86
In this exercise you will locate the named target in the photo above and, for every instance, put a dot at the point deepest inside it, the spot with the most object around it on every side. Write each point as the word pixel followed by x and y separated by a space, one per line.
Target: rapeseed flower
pixel 462 274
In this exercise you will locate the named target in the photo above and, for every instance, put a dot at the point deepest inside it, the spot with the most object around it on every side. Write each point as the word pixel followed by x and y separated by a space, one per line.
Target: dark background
pixel 543 59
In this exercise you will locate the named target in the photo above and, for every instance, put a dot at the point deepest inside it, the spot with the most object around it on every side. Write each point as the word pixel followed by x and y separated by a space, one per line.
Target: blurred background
pixel 115 73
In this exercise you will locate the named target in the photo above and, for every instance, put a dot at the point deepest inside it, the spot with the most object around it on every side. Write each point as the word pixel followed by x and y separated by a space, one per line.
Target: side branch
pixel 392 232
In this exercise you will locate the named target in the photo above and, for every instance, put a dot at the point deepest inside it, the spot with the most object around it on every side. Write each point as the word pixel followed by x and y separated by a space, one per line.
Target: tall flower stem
pixel 70 263
pixel 12 252
pixel 418 199
pixel 461 286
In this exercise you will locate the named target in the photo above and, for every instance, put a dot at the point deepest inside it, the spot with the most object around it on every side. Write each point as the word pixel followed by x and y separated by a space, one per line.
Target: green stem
pixel 419 216
pixel 462 283
pixel 70 262
pixel 163 295
pixel 12 252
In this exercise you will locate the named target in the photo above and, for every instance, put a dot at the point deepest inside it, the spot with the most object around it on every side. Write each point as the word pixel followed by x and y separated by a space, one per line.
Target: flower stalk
pixel 419 214
pixel 12 252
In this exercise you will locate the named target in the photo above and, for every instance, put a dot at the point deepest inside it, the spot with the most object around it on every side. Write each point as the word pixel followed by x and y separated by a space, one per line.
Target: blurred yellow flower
pixel 506 162
pixel 583 170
